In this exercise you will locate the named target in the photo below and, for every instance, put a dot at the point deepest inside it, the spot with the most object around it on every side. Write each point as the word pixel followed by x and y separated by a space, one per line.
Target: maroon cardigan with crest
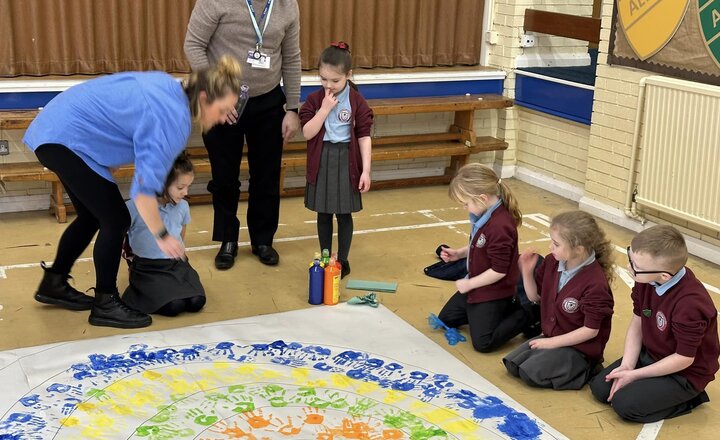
pixel 362 120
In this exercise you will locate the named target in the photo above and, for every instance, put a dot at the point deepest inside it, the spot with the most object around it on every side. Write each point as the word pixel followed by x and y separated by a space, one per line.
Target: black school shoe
pixel 225 257
pixel 108 310
pixel 266 254
pixel 345 270
pixel 54 289
pixel 533 327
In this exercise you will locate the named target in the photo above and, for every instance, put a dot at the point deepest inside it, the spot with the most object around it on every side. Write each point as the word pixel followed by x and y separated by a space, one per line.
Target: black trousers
pixel 100 208
pixel 261 126
pixel 491 323
pixel 648 400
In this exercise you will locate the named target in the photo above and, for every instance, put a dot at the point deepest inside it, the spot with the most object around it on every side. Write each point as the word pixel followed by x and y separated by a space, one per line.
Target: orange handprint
pixel 313 415
pixel 257 420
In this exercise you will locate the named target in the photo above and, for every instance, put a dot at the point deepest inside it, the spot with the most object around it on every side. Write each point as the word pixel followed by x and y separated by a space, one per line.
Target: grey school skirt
pixel 333 193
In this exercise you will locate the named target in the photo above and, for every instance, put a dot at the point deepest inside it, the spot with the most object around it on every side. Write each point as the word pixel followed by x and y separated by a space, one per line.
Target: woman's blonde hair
pixel 216 81
pixel 475 179
pixel 579 228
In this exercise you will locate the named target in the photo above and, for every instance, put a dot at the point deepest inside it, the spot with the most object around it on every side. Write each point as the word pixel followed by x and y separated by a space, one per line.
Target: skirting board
pixel 696 247
pixel 608 213
pixel 555 186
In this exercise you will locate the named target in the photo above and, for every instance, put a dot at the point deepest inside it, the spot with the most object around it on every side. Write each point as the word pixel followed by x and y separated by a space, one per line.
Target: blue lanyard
pixel 267 11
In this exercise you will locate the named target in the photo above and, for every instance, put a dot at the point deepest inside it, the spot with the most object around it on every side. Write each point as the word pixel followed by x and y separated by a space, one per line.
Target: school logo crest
pixel 344 115
pixel 661 321
pixel 709 16
pixel 570 305
pixel 481 241
pixel 649 24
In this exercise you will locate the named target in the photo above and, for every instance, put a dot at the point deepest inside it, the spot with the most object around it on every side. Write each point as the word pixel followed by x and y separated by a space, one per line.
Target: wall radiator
pixel 680 150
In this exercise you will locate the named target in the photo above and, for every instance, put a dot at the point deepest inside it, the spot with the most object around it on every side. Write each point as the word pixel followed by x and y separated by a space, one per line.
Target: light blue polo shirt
pixel 661 289
pixel 142 241
pixel 567 275
pixel 338 124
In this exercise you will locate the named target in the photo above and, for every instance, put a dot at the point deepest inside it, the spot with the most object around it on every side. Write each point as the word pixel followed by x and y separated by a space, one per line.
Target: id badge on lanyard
pixel 256 57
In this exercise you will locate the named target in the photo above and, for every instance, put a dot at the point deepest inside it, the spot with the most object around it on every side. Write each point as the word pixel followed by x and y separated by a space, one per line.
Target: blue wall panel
pixel 25 100
pixel 33 100
pixel 409 90
pixel 554 98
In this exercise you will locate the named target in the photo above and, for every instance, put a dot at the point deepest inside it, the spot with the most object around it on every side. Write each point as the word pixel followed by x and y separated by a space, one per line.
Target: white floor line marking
pixel 4 269
pixel 712 289
pixel 538 218
pixel 625 276
pixel 650 431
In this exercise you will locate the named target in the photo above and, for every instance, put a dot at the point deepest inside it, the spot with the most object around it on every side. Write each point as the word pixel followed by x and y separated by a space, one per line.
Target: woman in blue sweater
pixel 142 118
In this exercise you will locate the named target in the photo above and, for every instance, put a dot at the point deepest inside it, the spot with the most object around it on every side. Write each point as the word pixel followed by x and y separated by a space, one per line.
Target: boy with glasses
pixel 671 347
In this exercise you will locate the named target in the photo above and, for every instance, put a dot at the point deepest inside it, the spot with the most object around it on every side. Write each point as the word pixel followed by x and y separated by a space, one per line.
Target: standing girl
pixel 485 299
pixel 336 122
pixel 160 284
pixel 576 305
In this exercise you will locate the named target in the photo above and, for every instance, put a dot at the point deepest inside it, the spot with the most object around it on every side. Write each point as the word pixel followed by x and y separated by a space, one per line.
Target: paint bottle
pixel 325 257
pixel 337 262
pixel 317 258
pixel 315 283
pixel 331 294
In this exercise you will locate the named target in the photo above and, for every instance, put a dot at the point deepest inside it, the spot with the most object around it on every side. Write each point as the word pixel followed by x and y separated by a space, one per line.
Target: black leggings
pixel 345 233
pixel 177 306
pixel 99 206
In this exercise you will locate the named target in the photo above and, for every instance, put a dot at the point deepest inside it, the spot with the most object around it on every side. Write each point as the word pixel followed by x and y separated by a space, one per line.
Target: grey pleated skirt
pixel 333 193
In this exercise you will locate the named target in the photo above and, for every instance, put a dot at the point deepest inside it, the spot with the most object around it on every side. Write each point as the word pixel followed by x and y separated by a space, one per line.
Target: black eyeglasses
pixel 644 272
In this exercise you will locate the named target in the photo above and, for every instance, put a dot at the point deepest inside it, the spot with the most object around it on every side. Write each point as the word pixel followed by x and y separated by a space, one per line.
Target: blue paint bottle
pixel 316 279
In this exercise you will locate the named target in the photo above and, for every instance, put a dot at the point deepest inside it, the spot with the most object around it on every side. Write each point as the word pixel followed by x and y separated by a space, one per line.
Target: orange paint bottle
pixel 331 292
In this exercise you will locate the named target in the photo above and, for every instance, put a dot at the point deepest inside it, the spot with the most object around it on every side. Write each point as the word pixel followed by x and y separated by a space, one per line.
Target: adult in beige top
pixel 265 36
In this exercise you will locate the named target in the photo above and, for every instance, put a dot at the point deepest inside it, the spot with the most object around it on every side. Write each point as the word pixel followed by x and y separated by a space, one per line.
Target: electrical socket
pixel 527 40
pixel 4 147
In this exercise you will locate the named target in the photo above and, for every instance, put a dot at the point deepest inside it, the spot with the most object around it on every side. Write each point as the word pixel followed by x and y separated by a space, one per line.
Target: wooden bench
pixel 458 143
pixel 563 25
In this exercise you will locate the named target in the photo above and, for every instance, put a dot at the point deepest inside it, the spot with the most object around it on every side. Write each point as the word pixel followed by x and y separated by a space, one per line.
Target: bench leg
pixel 464 123
pixel 456 162
pixel 282 181
pixel 57 202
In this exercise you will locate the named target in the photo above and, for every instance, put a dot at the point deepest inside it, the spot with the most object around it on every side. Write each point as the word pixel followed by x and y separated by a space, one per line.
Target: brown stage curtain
pixel 394 33
pixel 68 37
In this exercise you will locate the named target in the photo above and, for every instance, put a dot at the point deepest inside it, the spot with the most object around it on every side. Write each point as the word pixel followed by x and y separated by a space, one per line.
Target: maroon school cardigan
pixel 495 246
pixel 362 120
pixel 585 300
pixel 682 321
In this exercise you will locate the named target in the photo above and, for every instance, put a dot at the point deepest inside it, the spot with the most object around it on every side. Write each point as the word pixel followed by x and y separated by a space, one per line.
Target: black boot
pixel 345 271
pixel 532 326
pixel 108 310
pixel 225 258
pixel 54 289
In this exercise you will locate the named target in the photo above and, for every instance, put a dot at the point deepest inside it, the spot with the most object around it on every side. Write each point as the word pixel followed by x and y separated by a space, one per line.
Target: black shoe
pixel 108 310
pixel 54 289
pixel 533 327
pixel 266 254
pixel 440 249
pixel 226 256
pixel 345 271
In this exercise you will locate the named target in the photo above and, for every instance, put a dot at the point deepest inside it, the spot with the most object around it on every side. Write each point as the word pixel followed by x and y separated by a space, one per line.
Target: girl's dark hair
pixel 338 56
pixel 182 165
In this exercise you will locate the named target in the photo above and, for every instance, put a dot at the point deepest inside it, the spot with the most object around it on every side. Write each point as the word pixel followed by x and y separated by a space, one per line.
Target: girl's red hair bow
pixel 339 45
